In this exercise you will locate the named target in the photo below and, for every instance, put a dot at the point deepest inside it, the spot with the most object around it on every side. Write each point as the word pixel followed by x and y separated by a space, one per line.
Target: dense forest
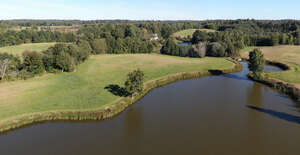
pixel 117 37
pixel 9 38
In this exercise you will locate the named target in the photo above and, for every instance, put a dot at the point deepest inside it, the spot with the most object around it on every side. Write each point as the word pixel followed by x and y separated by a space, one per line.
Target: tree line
pixel 232 36
pixel 9 38
pixel 116 37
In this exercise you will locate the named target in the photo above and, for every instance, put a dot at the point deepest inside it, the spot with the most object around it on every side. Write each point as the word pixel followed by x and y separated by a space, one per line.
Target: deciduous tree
pixel 256 62
pixel 134 82
pixel 33 62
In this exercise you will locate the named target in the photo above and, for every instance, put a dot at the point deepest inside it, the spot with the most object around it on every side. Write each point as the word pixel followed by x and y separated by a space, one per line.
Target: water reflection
pixel 134 128
pixel 269 68
pixel 255 96
pixel 237 77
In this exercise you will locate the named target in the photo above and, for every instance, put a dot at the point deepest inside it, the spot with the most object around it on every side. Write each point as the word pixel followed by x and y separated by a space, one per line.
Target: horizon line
pixel 116 19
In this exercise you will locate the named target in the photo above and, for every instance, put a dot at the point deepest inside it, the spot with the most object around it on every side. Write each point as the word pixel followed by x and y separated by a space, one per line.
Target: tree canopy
pixel 134 82
pixel 256 62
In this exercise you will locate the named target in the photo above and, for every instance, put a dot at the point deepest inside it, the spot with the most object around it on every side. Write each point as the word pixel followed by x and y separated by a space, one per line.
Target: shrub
pixel 23 74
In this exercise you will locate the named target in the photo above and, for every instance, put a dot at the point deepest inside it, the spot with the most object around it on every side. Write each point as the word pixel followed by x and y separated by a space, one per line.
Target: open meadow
pixel 189 32
pixel 18 49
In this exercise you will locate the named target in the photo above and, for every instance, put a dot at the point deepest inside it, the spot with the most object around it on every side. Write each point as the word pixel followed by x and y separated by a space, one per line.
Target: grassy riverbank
pixel 287 82
pixel 18 49
pixel 88 87
pixel 289 55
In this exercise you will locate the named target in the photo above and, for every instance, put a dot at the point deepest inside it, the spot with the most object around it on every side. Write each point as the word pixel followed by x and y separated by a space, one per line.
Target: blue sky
pixel 149 9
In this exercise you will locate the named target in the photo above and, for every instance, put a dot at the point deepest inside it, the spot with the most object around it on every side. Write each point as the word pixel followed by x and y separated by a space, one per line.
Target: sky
pixel 149 9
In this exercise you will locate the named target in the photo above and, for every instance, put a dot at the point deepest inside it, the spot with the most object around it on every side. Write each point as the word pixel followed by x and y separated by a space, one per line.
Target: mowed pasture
pixel 289 55
pixel 85 88
pixel 189 32
pixel 19 49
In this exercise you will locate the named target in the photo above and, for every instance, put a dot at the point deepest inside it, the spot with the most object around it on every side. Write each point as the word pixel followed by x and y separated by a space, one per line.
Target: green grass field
pixel 189 32
pixel 245 51
pixel 18 49
pixel 285 54
pixel 85 88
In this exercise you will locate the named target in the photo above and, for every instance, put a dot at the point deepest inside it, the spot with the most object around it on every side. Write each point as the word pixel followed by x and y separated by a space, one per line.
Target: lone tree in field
pixel 256 63
pixel 134 82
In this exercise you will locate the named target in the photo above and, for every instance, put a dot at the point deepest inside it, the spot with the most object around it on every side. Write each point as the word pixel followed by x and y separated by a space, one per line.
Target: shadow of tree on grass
pixel 117 90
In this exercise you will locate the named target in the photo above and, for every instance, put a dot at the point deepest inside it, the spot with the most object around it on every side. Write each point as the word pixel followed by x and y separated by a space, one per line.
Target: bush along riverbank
pixel 281 86
pixel 110 110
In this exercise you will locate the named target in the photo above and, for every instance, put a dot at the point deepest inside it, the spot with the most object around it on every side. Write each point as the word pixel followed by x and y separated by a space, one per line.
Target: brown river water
pixel 216 115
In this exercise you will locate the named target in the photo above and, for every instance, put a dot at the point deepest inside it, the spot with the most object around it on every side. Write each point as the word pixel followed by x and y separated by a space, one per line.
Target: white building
pixel 154 37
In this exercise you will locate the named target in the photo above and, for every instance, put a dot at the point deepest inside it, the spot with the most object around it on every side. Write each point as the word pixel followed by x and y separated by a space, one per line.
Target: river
pixel 227 114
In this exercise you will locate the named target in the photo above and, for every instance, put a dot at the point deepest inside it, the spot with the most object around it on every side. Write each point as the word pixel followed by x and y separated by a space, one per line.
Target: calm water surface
pixel 222 115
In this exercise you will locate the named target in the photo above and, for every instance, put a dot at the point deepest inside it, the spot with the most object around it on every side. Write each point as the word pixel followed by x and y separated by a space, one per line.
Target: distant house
pixel 154 37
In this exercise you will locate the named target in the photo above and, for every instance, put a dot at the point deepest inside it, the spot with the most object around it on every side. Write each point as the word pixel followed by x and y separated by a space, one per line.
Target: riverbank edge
pixel 110 110
pixel 281 86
